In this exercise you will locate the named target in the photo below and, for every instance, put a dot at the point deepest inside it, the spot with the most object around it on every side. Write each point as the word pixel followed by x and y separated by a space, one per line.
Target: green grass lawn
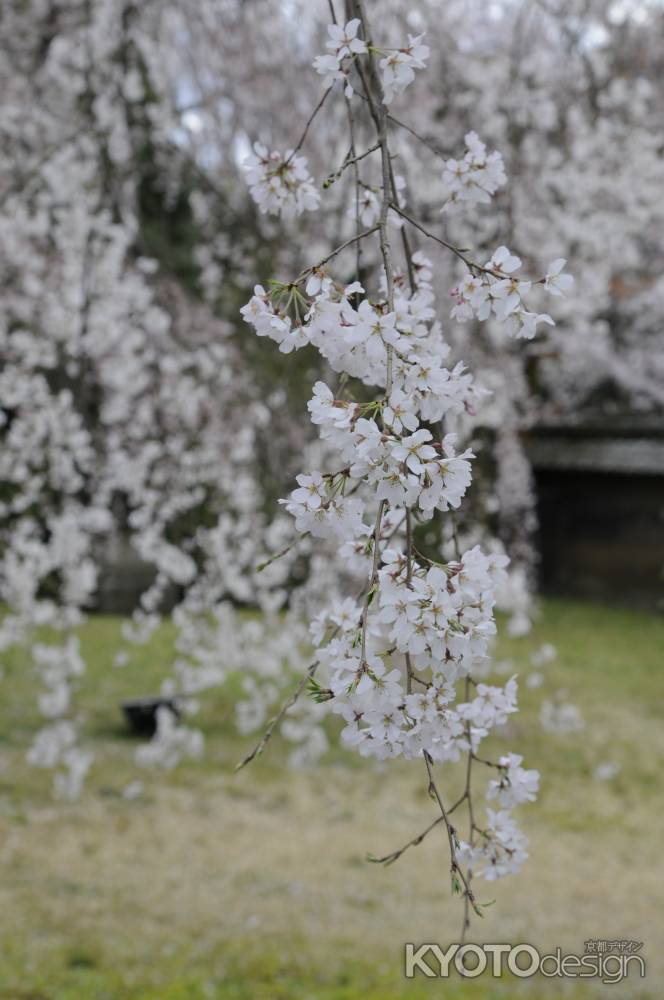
pixel 255 886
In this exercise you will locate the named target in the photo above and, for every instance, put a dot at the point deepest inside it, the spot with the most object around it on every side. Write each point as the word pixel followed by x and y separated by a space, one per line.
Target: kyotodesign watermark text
pixel 608 961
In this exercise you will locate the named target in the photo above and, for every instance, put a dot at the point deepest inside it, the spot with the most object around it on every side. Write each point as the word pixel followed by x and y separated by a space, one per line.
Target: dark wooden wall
pixel 601 535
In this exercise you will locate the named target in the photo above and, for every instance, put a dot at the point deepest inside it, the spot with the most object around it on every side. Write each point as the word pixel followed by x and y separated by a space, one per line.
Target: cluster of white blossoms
pixel 395 675
pixel 171 742
pixel 556 281
pixel 344 45
pixel 502 849
pixel 560 716
pixel 403 469
pixel 399 662
pixel 353 339
pixel 280 183
pixel 55 747
pixel 441 619
pixel 397 67
pixel 475 177
pixel 57 665
pixel 368 204
pixel 494 290
pixel 515 784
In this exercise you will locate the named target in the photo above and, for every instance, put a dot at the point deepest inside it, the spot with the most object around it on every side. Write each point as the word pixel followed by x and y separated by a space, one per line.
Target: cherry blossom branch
pixel 35 170
pixel 410 674
pixel 455 869
pixel 482 760
pixel 350 161
pixel 310 672
pixel 432 236
pixel 274 722
pixel 356 177
pixel 389 859
pixel 382 340
pixel 321 263
pixel 472 265
pixel 417 135
pixel 471 817
pixel 308 125
pixel 426 142
pixel 281 553
pixel 372 580
pixel 380 116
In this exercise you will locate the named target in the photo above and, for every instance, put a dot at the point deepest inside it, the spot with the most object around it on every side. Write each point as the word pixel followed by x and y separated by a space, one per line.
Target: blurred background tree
pixel 135 404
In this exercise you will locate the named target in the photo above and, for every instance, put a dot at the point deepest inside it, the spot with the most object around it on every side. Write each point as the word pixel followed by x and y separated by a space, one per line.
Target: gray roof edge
pixel 636 455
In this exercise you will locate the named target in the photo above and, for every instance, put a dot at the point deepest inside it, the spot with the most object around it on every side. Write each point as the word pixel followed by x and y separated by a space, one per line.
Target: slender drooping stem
pixel 374 94
pixel 455 870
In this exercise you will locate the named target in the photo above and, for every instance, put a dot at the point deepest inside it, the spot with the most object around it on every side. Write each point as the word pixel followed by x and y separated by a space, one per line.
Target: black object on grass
pixel 141 713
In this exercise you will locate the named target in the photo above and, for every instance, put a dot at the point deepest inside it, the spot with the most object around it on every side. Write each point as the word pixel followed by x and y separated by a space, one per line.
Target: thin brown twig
pixel 455 869
pixel 310 120
pixel 432 236
pixel 338 250
pixel 393 856
pixel 379 115
pixel 410 674
pixel 488 763
pixel 471 817
pixel 420 138
pixel 356 178
pixel 350 160
pixel 372 580
pixel 389 859
pixel 282 552
pixel 461 254
pixel 274 722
